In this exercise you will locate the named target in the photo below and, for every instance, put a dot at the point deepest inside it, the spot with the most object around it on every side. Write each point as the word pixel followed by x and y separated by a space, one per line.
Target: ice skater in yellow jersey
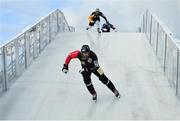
pixel 94 18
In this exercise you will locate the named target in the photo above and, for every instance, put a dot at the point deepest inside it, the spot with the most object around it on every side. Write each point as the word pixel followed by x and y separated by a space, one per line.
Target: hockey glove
pixel 65 69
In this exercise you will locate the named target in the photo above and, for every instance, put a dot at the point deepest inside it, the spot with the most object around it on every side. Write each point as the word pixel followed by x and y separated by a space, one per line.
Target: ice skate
pixel 117 94
pixel 98 30
pixel 94 97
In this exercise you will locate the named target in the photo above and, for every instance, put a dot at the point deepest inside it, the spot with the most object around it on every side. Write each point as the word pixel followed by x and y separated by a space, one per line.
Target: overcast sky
pixel 126 15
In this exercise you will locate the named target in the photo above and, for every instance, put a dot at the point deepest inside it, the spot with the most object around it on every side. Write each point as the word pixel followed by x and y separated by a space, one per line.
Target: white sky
pixel 126 15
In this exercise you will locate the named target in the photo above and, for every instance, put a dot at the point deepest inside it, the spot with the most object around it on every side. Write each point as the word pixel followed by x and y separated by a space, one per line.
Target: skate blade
pixel 118 97
pixel 95 101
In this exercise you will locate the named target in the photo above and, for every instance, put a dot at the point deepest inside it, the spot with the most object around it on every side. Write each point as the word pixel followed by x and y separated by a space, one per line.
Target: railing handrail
pixel 165 46
pixel 28 28
pixel 164 27
pixel 18 53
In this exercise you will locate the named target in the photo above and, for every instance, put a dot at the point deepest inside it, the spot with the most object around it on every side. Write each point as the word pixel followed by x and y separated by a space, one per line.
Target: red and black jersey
pixel 90 63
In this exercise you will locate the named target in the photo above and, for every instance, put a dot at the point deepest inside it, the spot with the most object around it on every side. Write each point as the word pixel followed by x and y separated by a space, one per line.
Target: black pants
pixel 99 73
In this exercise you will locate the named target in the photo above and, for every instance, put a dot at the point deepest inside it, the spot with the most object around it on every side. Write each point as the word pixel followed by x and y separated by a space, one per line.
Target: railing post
pixel 150 33
pixel 4 68
pixel 146 20
pixel 39 37
pixel 49 28
pixel 17 56
pixel 12 62
pixel 143 29
pixel 57 15
pixel 177 78
pixel 157 38
pixel 35 42
pixel 165 52
pixel 26 50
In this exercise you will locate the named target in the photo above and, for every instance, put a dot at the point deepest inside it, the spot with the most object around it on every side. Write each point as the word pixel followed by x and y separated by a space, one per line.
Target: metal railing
pixel 17 54
pixel 165 47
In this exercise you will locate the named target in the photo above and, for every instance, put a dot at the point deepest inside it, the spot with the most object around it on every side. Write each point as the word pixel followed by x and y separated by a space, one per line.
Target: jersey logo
pixel 89 60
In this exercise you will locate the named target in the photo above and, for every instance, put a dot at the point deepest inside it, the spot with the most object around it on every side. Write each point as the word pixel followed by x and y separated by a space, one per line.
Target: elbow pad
pixel 96 64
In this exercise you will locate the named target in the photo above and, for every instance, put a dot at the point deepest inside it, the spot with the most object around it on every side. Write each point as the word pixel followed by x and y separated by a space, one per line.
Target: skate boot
pixel 117 94
pixel 98 30
pixel 87 28
pixel 94 97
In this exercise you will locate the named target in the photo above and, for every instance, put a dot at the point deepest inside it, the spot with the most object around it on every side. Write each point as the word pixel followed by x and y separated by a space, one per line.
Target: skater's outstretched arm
pixel 112 26
pixel 92 14
pixel 103 16
pixel 72 55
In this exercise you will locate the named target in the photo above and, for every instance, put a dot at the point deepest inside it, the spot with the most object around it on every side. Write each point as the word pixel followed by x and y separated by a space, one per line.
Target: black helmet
pixel 85 48
pixel 97 9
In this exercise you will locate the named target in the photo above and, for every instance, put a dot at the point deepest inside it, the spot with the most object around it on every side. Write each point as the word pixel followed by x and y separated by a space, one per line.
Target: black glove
pixel 65 68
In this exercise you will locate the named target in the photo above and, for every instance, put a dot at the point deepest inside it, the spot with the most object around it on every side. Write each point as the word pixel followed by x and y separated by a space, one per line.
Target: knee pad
pixel 87 81
pixel 88 84
pixel 106 82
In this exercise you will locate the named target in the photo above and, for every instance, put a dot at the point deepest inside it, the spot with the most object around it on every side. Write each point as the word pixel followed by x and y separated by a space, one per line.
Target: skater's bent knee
pixel 106 82
pixel 89 84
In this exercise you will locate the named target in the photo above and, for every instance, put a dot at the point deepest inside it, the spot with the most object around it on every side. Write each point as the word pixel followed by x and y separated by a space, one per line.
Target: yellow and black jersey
pixel 95 16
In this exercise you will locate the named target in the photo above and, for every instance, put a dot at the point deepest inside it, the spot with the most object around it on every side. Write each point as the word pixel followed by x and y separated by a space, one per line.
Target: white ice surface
pixel 44 92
